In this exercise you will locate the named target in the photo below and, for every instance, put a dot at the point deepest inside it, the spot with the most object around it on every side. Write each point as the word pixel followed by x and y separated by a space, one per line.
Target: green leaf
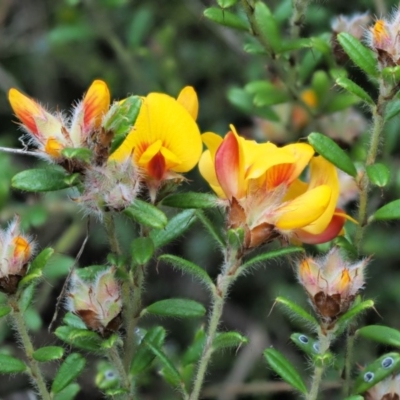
pixel 48 353
pixel 354 398
pixel 353 88
pixel 391 74
pixel 266 93
pixel 35 270
pixel 378 174
pixel 285 369
pixel 190 200
pixel 212 230
pixel 11 365
pixel 4 310
pixel 294 308
pixel 68 393
pixel 392 109
pixel 321 84
pixel 176 308
pixel 73 321
pixel 311 347
pixel 194 351
pixel 190 268
pixel 381 334
pixel 376 372
pixel 121 118
pixel 229 339
pixel 176 226
pixel 80 338
pixel 142 250
pixel 360 55
pixel 260 259
pixel 355 310
pixel 226 3
pixel 41 180
pixel 387 212
pixel 174 378
pixel 267 26
pixel 341 101
pixel 26 297
pixel 146 214
pixel 144 357
pixel 225 18
pixel 332 152
pixel 347 246
pixel 82 154
pixel 69 370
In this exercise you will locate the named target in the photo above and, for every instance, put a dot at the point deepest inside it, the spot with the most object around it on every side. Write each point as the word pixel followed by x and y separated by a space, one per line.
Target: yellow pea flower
pixel 261 185
pixel 165 140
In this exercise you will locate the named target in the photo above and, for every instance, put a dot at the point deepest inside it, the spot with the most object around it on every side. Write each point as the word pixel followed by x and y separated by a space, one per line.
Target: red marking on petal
pixel 332 230
pixel 227 160
pixel 279 174
pixel 156 167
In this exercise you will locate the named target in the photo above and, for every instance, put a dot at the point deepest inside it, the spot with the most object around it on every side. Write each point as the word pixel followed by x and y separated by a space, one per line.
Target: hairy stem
pixel 377 129
pixel 115 359
pixel 225 279
pixel 109 225
pixel 35 372
pixel 348 360
pixel 324 343
pixel 133 289
pixel 299 11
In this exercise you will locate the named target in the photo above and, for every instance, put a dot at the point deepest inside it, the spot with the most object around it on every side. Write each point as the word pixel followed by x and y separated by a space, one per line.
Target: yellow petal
pixel 171 160
pixel 296 189
pixel 161 117
pixel 302 152
pixel 188 98
pixel 25 109
pixel 149 153
pixel 322 172
pixel 303 210
pixel 212 141
pixel 96 104
pixel 53 147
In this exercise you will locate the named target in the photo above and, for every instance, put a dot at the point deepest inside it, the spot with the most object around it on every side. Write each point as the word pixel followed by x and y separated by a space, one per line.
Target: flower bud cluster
pixel 331 283
pixel 16 250
pixel 98 303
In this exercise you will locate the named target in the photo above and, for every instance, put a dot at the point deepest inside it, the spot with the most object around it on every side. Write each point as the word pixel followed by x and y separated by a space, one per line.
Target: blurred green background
pixel 53 50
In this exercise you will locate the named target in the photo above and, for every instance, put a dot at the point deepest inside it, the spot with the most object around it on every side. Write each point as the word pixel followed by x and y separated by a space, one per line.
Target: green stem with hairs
pixel 116 361
pixel 34 369
pixel 225 280
pixel 324 343
pixel 299 11
pixel 109 226
pixel 377 129
pixel 348 360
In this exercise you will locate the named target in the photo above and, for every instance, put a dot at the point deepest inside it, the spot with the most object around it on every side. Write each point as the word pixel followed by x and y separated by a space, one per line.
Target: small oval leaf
pixel 388 211
pixel 48 353
pixel 376 372
pixel 360 55
pixel 146 214
pixel 353 88
pixel 38 264
pixel 294 308
pixel 229 339
pixel 378 174
pixel 68 393
pixel 189 268
pixel 69 370
pixel 4 310
pixel 226 18
pixel 267 26
pixel 381 334
pixel 190 200
pixel 11 365
pixel 355 310
pixel 176 308
pixel 176 226
pixel 142 250
pixel 332 152
pixel 41 180
pixel 285 369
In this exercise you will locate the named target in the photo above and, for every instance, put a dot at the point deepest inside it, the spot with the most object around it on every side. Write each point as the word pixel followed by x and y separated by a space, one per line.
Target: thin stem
pixel 109 225
pixel 225 279
pixel 378 124
pixel 22 330
pixel 348 360
pixel 299 11
pixel 287 79
pixel 133 311
pixel 115 359
pixel 324 343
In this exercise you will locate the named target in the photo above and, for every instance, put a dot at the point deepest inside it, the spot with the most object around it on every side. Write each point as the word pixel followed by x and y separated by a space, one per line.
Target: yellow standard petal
pixel 207 170
pixel 188 98
pixel 162 118
pixel 303 210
